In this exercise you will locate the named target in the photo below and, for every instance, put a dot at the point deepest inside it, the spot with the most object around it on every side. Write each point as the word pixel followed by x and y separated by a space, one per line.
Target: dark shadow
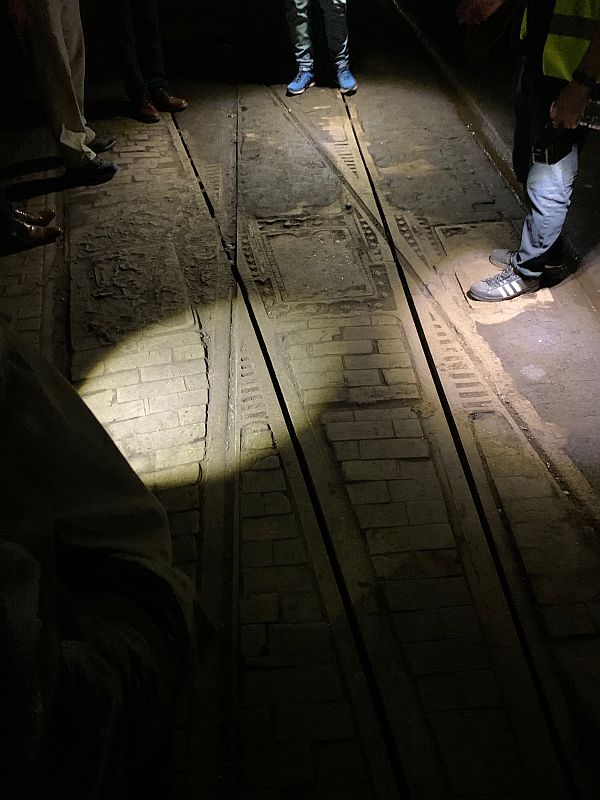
pixel 29 167
pixel 10 246
pixel 103 108
pixel 25 190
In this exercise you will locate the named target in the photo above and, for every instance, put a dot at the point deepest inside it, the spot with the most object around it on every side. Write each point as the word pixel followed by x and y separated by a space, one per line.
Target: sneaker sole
pixel 502 299
pixel 349 91
pixel 291 93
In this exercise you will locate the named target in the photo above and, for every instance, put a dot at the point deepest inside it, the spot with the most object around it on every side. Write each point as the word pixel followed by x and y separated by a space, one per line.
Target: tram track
pixel 450 413
pixel 316 508
pixel 378 700
pixel 490 555
pixel 415 275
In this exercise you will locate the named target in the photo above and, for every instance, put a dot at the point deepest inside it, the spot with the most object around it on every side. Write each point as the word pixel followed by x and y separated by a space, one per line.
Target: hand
pixel 566 110
pixel 474 12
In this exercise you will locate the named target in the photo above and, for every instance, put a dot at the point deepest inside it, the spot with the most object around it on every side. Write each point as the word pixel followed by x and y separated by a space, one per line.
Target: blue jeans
pixel 336 29
pixel 549 187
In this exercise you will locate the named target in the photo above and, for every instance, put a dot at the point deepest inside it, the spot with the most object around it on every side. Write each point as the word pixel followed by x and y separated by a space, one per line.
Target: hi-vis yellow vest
pixel 571 28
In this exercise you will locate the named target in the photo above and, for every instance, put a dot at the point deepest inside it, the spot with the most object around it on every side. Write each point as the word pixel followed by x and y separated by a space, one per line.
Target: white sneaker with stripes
pixel 503 286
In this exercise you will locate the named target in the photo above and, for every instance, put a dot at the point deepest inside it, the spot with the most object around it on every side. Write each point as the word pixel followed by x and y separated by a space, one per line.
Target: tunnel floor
pixel 386 494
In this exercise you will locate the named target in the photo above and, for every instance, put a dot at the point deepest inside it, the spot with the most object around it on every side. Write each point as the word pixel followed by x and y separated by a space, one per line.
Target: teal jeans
pixel 334 15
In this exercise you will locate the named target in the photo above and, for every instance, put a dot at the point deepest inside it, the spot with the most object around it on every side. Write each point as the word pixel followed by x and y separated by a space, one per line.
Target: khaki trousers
pixel 58 54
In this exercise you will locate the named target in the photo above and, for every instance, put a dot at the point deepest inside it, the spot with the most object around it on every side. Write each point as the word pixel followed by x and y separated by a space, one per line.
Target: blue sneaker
pixel 346 81
pixel 303 81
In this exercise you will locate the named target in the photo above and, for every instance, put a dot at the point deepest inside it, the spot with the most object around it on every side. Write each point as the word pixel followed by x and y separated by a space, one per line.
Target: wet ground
pixel 387 493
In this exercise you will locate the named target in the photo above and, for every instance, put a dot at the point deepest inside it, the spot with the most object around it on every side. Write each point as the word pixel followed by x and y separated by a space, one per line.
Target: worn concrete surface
pixel 389 515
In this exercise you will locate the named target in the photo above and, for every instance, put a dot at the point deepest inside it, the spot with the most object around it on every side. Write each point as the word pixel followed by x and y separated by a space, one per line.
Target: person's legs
pixel 297 16
pixel 53 49
pixel 549 187
pixel 148 42
pixel 336 28
pixel 73 38
pixel 124 41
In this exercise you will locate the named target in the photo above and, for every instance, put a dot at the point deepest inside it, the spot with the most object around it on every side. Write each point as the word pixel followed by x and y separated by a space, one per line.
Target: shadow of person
pixel 29 167
pixel 10 246
pixel 20 190
pixel 25 190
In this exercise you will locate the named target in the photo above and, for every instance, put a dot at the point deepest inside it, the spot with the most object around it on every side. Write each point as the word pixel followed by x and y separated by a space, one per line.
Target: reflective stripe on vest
pixel 571 28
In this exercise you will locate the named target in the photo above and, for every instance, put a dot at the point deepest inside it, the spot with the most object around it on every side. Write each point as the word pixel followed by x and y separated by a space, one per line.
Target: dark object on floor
pixel 97 630
pixel 33 235
pixel 145 110
pixel 102 144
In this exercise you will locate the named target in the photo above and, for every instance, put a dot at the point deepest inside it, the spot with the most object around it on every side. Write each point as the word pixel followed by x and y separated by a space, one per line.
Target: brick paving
pixel 297 725
pixel 138 355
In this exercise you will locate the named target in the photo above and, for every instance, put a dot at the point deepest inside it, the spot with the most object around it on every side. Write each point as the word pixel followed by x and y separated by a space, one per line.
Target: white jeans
pixel 58 54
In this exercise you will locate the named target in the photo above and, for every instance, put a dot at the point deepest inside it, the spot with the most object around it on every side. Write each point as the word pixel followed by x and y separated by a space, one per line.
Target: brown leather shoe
pixel 42 219
pixel 145 110
pixel 33 235
pixel 166 102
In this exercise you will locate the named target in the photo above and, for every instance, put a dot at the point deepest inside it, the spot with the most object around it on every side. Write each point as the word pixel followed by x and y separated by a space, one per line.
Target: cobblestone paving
pixel 139 359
